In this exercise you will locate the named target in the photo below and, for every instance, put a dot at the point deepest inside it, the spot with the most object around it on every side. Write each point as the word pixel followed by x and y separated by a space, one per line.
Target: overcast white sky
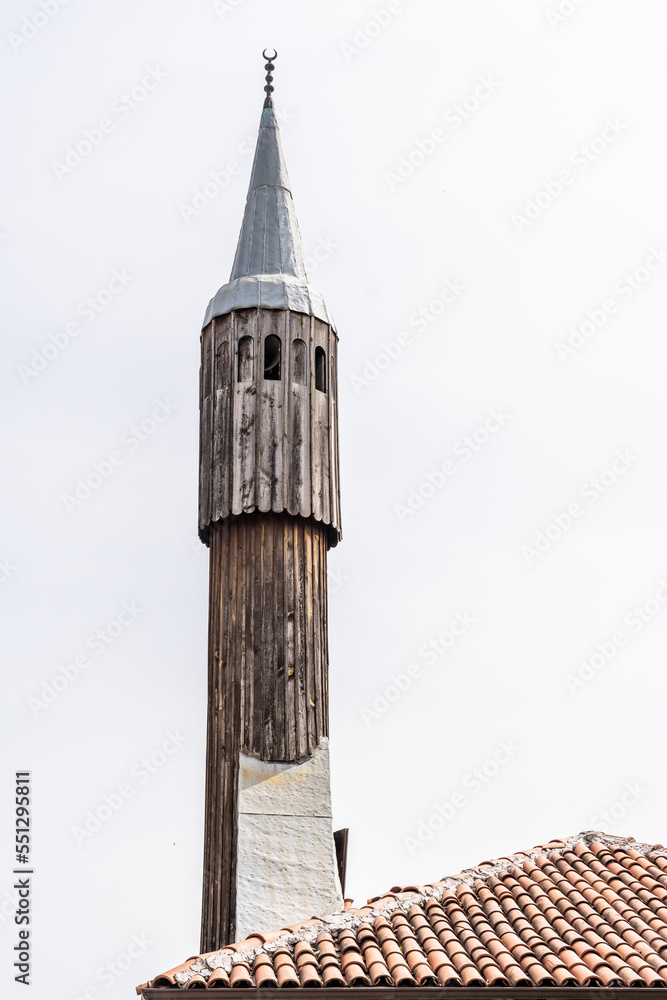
pixel 414 144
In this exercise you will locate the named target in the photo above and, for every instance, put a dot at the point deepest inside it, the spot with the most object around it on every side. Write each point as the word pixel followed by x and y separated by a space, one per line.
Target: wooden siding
pixel 268 445
pixel 268 676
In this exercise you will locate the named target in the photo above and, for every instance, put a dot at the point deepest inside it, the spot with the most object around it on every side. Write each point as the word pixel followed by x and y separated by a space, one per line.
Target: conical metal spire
pixel 269 242
pixel 269 269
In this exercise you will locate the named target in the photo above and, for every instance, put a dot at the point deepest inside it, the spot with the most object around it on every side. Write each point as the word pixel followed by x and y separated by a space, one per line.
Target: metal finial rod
pixel 268 102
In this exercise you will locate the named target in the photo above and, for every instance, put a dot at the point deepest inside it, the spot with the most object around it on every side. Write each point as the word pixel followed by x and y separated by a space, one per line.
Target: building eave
pixel 430 992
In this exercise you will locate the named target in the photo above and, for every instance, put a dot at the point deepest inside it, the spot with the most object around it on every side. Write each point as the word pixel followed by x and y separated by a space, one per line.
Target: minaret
pixel 269 509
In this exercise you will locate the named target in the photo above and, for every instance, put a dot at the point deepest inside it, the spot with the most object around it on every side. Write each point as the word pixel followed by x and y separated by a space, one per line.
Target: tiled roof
pixel 589 910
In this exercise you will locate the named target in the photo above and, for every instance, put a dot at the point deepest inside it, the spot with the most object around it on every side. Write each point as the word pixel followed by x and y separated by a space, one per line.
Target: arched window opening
pixel 272 347
pixel 299 368
pixel 320 369
pixel 245 359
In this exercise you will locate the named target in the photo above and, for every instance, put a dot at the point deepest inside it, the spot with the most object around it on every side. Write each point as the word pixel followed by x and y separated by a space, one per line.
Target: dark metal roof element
pixel 341 838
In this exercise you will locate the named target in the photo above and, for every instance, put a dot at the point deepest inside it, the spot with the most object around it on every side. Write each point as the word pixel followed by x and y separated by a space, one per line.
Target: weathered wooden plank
pixel 289 606
pixel 300 648
pixel 222 432
pixel 204 467
pixel 278 650
pixel 217 466
pixel 283 457
pixel 267 747
pixel 314 436
pixel 318 577
pixel 244 419
pixel 319 553
pixel 311 611
pixel 269 475
pixel 321 426
pixel 205 429
pixel 297 422
pixel 334 450
pixel 324 625
pixel 230 699
pixel 253 638
pixel 218 898
pixel 219 804
pixel 212 769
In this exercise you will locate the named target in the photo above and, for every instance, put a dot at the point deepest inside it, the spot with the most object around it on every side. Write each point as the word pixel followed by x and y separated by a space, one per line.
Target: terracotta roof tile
pixel 197 983
pixel 332 976
pixel 589 911
pixel 240 976
pixel 355 974
pixel 218 979
pixel 263 972
pixel 285 968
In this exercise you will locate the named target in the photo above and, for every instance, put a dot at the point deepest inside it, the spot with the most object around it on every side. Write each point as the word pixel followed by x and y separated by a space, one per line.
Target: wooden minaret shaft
pixel 267 676
pixel 269 508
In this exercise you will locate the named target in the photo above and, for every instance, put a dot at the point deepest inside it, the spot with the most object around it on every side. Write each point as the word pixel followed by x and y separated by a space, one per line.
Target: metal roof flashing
pixel 269 291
